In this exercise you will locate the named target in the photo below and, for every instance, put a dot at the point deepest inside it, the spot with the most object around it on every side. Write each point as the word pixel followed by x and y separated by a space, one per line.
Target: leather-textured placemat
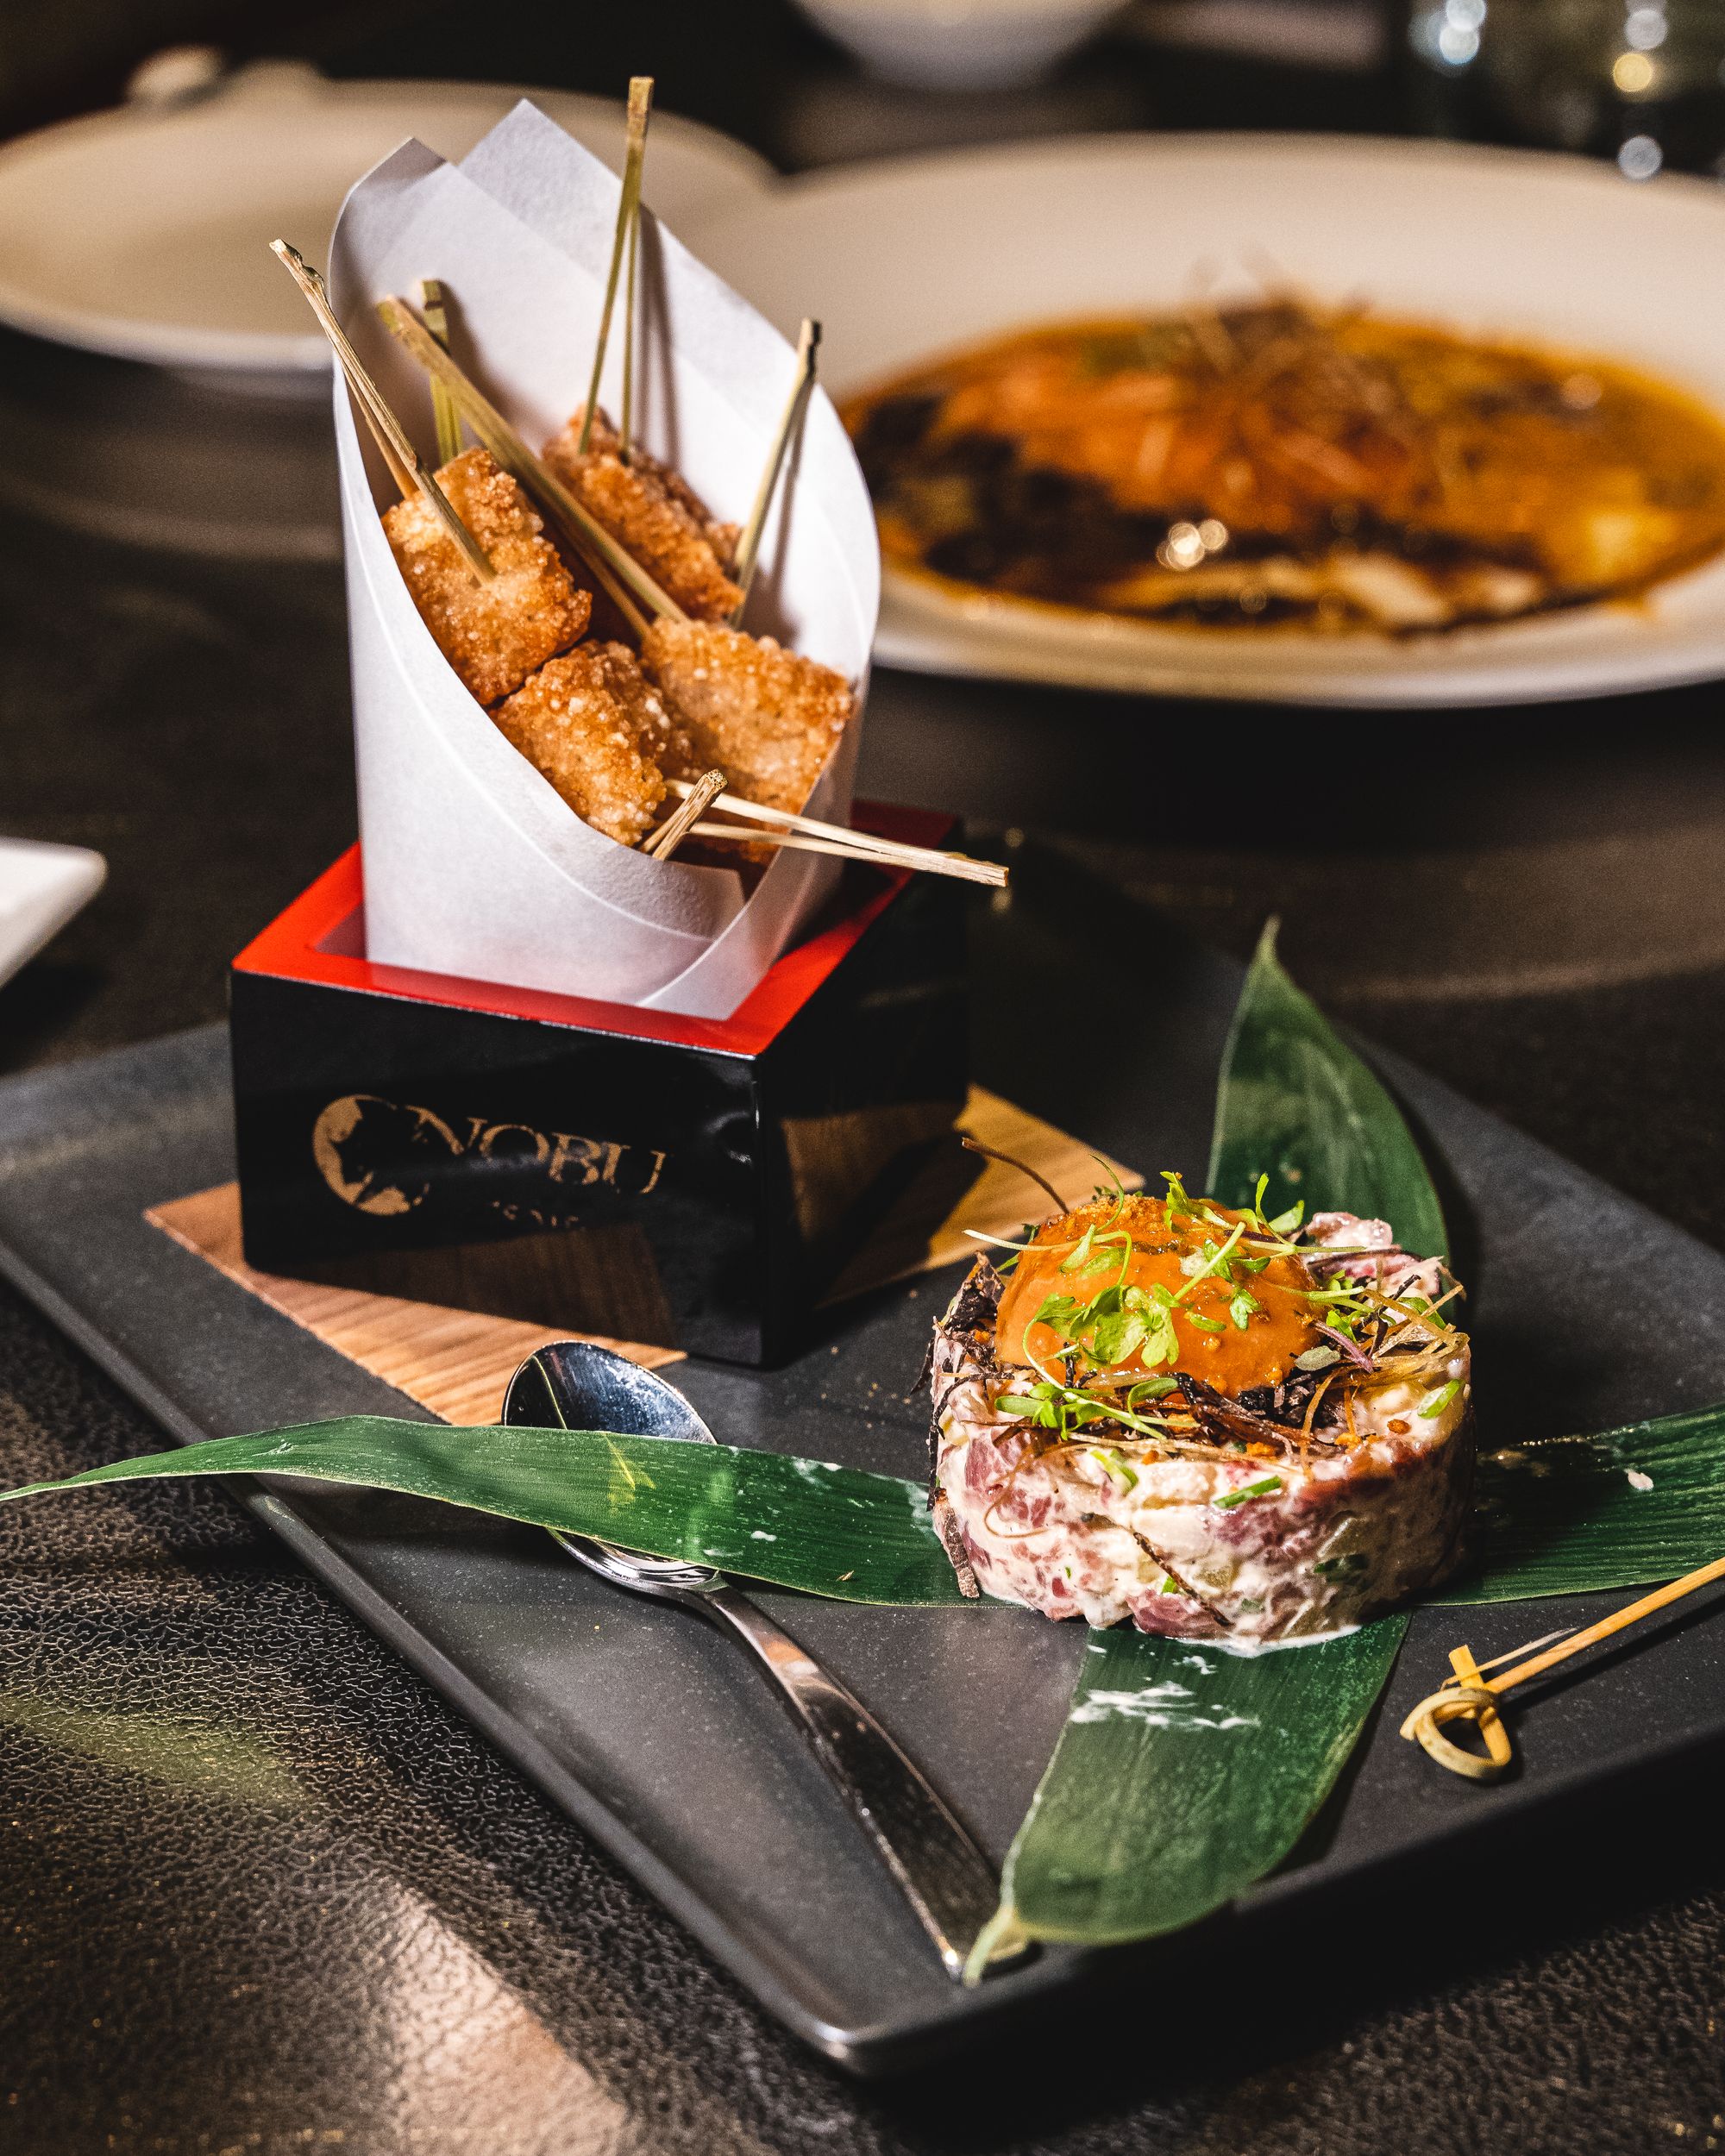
pixel 458 1362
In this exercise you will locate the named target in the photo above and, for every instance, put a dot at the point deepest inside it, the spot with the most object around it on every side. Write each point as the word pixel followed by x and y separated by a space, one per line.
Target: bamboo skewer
pixel 1619 1620
pixel 445 414
pixel 922 858
pixel 1470 1695
pixel 748 546
pixel 683 819
pixel 626 414
pixel 406 469
pixel 894 852
pixel 1545 1639
pixel 387 431
pixel 618 572
pixel 628 207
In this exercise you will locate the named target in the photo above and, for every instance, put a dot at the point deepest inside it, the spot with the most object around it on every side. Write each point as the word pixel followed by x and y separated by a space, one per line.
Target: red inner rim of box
pixel 316 939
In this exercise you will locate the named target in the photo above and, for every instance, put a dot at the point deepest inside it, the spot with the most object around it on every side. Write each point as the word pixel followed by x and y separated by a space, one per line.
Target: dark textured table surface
pixel 260 1891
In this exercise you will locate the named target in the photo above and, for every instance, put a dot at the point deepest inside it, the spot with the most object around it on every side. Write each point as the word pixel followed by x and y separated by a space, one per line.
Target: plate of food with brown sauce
pixel 1297 419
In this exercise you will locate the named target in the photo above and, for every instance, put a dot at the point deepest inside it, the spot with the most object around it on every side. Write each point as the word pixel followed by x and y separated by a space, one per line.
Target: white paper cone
pixel 473 865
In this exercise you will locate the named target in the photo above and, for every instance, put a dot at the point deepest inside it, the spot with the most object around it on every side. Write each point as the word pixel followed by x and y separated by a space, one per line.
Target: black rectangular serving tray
pixel 652 1732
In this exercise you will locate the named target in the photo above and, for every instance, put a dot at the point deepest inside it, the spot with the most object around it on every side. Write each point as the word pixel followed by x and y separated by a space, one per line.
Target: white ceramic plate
pixel 144 233
pixel 41 887
pixel 902 261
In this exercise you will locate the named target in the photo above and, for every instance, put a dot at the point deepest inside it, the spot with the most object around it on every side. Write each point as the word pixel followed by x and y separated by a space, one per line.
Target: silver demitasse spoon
pixel 946 1879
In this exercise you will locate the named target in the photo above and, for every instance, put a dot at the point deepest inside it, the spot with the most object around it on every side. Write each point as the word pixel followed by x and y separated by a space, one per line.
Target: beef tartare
pixel 1221 1426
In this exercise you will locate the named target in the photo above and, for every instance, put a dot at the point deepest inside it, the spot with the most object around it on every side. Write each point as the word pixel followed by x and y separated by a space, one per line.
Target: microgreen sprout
pixel 1055 1404
pixel 1114 1188
pixel 1078 1261
pixel 1110 1327
pixel 1052 1406
pixel 1176 1205
pixel 1214 1260
pixel 1150 1388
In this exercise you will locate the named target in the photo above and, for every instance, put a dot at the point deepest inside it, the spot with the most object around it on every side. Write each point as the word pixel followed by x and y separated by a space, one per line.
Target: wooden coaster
pixel 458 1362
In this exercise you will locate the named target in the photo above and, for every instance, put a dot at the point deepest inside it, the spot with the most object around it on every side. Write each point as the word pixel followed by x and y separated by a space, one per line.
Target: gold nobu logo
pixel 384 1157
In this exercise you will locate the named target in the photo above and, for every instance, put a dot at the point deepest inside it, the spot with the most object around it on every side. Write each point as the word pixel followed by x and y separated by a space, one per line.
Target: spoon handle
pixel 944 1876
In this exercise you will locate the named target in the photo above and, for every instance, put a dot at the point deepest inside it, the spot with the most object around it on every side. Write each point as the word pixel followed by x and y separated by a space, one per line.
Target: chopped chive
pixel 1265 1487
pixel 1124 1477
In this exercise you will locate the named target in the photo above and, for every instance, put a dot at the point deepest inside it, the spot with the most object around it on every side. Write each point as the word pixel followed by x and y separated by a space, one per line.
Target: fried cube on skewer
pixel 767 717
pixel 493 634
pixel 652 515
pixel 594 726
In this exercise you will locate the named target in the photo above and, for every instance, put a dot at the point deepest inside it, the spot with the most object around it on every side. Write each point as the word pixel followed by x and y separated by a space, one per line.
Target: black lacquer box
pixel 691 1182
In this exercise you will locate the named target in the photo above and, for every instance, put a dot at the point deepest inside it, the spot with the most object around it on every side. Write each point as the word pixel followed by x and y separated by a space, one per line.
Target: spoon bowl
pixel 575 1385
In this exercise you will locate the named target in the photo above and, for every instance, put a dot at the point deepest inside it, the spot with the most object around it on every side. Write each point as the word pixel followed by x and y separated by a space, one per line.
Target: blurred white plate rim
pixel 132 232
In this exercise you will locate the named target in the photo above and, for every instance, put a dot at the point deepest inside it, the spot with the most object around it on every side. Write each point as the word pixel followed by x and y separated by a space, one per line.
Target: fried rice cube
pixel 723 538
pixel 653 516
pixel 767 717
pixel 594 727
pixel 493 634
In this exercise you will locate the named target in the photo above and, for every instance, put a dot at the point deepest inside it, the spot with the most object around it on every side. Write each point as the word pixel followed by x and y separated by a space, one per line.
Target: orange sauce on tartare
pixel 1137 1245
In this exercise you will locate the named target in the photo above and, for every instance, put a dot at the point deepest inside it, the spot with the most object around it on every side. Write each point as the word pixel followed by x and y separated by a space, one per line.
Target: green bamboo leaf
pixel 1182 1775
pixel 805 1524
pixel 1630 1507
pixel 1297 1105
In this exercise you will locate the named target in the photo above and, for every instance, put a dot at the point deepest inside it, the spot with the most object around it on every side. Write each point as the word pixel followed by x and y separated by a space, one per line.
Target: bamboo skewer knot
pixel 1470 1696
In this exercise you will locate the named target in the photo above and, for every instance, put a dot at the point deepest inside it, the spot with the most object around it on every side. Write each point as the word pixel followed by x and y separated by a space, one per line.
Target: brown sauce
pixel 1279 464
